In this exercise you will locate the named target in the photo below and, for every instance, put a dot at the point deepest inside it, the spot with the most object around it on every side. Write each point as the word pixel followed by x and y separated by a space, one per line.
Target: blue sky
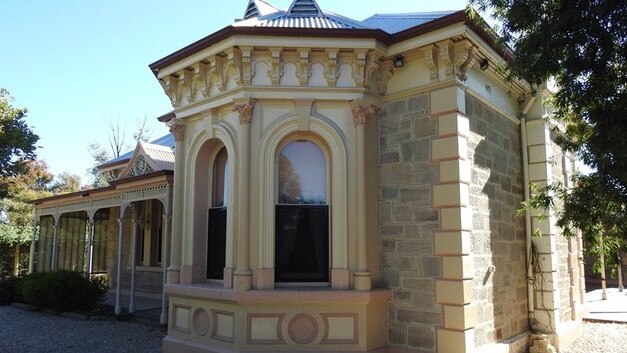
pixel 75 64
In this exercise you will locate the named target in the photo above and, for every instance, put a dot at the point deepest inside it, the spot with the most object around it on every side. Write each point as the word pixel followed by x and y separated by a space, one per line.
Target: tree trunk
pixel 16 260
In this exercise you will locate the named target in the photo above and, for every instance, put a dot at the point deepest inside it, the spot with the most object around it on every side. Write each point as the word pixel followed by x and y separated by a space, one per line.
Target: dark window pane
pixel 216 240
pixel 302 243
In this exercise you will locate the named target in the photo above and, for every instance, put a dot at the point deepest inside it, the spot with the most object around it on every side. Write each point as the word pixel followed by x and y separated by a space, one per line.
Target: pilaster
pixel 546 295
pixel 451 197
pixel 177 128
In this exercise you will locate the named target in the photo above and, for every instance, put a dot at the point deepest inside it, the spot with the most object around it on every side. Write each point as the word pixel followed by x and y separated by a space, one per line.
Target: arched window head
pixel 302 174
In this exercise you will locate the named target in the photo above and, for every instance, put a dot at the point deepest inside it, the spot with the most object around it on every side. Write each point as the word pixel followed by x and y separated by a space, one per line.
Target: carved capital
pixel 361 113
pixel 245 111
pixel 177 129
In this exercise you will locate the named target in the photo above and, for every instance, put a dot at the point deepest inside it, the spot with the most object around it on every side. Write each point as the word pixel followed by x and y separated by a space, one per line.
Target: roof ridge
pixel 304 8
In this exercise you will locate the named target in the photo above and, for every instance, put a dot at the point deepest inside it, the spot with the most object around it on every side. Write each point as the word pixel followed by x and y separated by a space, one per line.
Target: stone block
pixel 403 213
pixel 415 194
pixel 424 128
pixel 389 194
pixel 453 124
pixel 456 218
pixel 415 248
pixel 391 230
pixel 457 267
pixel 419 104
pixel 453 147
pixel 452 341
pixel 421 337
pixel 419 316
pixel 537 133
pixel 450 195
pixel 423 215
pixel 415 283
pixel 397 336
pixel 396 107
pixel 453 292
pixel 448 100
pixel 424 300
pixel 458 170
pixel 452 243
pixel 539 172
pixel 460 317
pixel 389 158
pixel 415 151
pixel 539 153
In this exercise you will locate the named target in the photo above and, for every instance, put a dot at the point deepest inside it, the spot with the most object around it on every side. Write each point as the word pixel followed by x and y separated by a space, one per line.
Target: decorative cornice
pixel 464 58
pixel 245 111
pixel 431 58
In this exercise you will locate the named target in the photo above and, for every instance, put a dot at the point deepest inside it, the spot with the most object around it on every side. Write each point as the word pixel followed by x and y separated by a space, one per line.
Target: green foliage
pixel 62 290
pixel 581 47
pixel 17 141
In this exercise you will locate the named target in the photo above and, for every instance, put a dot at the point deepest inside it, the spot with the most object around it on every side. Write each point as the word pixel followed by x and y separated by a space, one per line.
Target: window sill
pixel 213 291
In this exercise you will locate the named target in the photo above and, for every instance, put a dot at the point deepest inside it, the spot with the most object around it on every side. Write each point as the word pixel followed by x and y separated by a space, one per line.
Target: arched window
pixel 216 238
pixel 302 215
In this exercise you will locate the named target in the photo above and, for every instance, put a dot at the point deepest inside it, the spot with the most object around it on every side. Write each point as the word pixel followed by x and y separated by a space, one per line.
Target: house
pixel 340 186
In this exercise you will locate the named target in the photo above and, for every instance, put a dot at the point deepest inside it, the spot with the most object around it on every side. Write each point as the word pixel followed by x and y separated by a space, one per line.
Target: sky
pixel 77 65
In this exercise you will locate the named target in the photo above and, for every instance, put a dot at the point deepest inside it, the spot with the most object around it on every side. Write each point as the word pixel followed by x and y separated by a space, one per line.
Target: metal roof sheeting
pixel 394 23
pixel 167 140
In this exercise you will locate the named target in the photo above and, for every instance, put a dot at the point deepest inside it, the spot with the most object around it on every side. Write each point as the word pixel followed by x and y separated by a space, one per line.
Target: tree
pixel 117 146
pixel 66 183
pixel 17 141
pixel 16 213
pixel 582 46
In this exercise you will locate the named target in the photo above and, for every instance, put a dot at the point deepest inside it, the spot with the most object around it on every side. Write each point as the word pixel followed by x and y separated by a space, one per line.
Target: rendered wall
pixel 407 222
pixel 498 234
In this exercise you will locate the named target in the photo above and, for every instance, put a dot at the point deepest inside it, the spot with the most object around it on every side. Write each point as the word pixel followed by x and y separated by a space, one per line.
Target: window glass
pixel 221 172
pixel 302 174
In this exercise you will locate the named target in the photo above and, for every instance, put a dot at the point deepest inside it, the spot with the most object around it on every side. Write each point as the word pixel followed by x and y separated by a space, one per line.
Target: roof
pixel 394 23
pixel 163 156
pixel 304 18
pixel 300 14
pixel 167 141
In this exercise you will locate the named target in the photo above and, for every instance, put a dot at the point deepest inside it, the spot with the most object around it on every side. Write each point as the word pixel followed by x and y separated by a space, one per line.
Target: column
pixel 362 279
pixel 90 244
pixel 177 128
pixel 131 305
pixel 242 276
pixel 55 240
pixel 31 257
pixel 452 243
pixel 167 227
pixel 118 279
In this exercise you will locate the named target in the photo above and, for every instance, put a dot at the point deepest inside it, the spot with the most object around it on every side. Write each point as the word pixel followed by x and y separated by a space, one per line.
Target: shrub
pixel 7 290
pixel 63 290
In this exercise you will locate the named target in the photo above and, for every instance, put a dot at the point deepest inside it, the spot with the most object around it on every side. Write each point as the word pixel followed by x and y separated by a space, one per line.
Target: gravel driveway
pixel 23 331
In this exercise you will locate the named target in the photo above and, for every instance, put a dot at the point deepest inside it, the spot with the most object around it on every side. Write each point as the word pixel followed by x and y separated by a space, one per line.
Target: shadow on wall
pixel 498 237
